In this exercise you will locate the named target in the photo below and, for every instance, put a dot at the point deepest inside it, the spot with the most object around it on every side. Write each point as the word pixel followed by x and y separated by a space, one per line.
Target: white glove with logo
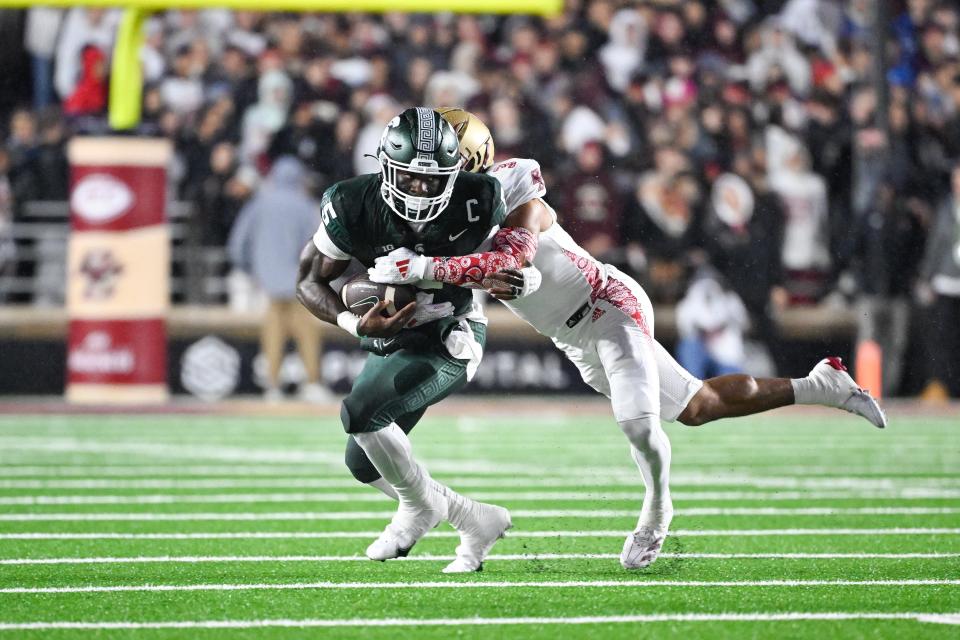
pixel 531 280
pixel 427 311
pixel 400 266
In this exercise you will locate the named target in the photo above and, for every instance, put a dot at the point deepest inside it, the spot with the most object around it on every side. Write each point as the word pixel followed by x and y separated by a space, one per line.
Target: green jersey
pixel 357 223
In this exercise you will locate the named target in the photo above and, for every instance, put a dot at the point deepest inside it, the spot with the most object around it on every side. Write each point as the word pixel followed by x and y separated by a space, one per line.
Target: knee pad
pixel 356 415
pixel 357 462
pixel 641 427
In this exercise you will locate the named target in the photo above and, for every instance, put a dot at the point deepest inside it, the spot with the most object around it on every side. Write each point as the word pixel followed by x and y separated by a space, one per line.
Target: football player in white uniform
pixel 603 321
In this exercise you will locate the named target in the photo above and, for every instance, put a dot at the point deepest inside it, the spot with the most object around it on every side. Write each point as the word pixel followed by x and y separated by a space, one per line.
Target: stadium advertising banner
pixel 117 271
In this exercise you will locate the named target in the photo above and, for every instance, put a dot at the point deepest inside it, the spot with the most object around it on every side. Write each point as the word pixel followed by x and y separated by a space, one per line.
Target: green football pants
pixel 399 388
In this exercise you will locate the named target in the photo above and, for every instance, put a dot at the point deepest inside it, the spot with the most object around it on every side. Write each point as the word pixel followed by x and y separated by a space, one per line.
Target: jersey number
pixel 470 216
pixel 327 213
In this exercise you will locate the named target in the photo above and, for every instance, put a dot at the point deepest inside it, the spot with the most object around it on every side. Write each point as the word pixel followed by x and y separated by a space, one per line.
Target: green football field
pixel 795 524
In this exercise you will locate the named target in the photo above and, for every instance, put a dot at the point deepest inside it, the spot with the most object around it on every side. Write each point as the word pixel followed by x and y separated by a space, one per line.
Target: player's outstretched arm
pixel 514 245
pixel 316 272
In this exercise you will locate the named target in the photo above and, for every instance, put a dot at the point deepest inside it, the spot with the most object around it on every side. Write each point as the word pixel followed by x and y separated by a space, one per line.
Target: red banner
pixel 117 352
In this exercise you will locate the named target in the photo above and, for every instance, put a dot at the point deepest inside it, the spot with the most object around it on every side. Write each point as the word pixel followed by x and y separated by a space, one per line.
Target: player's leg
pixel 360 465
pixel 694 402
pixel 623 333
pixel 734 395
pixel 306 333
pixel 272 339
pixel 388 389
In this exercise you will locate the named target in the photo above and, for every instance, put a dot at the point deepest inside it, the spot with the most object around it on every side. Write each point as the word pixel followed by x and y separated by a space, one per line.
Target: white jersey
pixel 599 317
pixel 570 274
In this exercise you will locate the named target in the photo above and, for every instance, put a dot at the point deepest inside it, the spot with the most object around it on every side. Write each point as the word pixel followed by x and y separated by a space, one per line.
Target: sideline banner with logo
pixel 118 270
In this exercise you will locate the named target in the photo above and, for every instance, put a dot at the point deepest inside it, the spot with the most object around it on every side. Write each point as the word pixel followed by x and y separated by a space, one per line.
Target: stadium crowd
pixel 672 134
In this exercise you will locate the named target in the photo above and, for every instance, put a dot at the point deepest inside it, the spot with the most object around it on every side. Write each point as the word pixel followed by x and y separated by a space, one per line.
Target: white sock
pixel 651 451
pixel 460 509
pixel 384 487
pixel 390 452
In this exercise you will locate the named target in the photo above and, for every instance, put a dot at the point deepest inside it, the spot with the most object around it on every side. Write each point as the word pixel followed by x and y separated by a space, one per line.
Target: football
pixel 360 294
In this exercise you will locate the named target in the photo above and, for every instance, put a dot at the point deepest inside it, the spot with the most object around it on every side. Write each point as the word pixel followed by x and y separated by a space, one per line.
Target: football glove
pixel 510 284
pixel 427 311
pixel 400 266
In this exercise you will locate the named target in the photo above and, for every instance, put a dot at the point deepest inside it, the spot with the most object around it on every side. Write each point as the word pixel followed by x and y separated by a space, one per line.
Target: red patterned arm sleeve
pixel 512 248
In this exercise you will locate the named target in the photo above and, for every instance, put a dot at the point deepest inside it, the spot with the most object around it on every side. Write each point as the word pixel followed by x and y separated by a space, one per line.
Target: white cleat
pixel 837 389
pixel 404 531
pixel 642 547
pixel 483 526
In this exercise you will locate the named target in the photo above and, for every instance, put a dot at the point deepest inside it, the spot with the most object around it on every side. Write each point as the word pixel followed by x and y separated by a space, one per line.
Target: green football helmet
pixel 419 160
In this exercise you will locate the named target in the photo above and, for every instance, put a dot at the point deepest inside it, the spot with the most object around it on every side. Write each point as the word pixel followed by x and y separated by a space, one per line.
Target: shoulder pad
pixel 521 181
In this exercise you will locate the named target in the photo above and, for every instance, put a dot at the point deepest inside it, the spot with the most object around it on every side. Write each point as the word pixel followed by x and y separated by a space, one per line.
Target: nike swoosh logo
pixel 365 301
pixel 454 237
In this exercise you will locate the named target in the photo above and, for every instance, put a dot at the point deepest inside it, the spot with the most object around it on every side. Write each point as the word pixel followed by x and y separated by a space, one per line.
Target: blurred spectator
pixel 265 242
pixel 182 92
pixel 223 191
pixel 89 96
pixel 622 56
pixel 589 204
pixel 52 168
pixel 22 149
pixel 711 321
pixel 806 253
pixel 305 137
pixel 888 250
pixel 940 289
pixel 81 28
pixel 335 163
pixel 7 247
pixel 743 235
pixel 40 41
pixel 778 59
pixel 663 219
pixel 379 110
pixel 267 116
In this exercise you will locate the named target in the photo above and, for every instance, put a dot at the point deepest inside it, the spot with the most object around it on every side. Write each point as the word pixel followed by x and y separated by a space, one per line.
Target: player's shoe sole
pixel 844 393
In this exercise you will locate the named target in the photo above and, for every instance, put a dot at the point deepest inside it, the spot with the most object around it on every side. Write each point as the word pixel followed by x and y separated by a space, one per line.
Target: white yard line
pixel 791 616
pixel 520 513
pixel 224 476
pixel 502 557
pixel 136 471
pixel 170 450
pixel 312 481
pixel 547 584
pixel 524 496
pixel 352 535
pixel 434 461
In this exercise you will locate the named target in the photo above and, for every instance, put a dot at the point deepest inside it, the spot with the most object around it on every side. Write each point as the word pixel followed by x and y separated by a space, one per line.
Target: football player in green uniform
pixel 419 203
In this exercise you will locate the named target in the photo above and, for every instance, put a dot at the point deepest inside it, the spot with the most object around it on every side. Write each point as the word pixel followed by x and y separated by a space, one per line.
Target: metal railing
pixel 38 275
